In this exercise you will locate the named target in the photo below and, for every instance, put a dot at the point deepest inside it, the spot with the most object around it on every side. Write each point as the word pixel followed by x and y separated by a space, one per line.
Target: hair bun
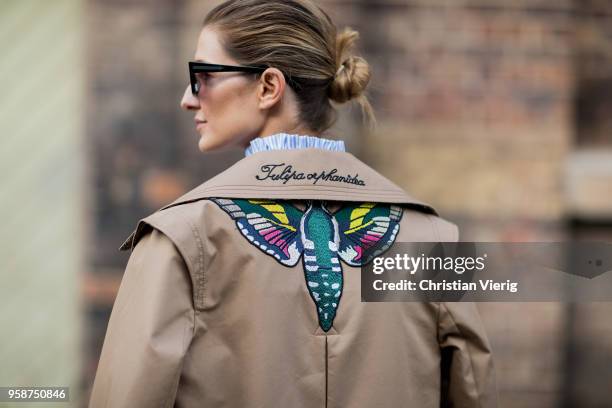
pixel 352 72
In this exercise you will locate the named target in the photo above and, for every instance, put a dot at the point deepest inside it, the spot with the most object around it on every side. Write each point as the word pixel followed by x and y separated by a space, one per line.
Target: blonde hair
pixel 300 39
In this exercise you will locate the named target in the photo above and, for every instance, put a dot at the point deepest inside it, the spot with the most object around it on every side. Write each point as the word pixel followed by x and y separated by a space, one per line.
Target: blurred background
pixel 497 112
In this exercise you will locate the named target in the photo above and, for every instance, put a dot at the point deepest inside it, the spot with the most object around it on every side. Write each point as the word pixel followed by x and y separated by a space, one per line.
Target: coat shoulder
pixel 178 222
pixel 423 226
pixel 445 230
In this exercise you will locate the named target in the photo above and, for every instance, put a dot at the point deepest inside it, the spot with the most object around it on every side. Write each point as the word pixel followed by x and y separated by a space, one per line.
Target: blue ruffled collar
pixel 286 141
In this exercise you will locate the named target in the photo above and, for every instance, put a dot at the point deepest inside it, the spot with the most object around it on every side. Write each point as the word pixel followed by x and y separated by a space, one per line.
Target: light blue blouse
pixel 286 141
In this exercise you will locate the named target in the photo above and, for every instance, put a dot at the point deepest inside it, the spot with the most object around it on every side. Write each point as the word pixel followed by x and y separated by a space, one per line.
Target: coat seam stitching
pixel 326 371
pixel 302 187
pixel 290 185
pixel 200 275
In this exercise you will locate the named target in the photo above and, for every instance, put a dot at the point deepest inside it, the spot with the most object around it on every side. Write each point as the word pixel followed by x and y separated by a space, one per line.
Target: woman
pixel 245 292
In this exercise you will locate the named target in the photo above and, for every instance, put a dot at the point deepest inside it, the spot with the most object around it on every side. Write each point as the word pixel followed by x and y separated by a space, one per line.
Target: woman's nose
pixel 189 101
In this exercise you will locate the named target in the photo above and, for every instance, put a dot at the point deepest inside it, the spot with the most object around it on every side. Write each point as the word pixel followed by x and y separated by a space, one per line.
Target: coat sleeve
pixel 150 328
pixel 467 370
pixel 468 375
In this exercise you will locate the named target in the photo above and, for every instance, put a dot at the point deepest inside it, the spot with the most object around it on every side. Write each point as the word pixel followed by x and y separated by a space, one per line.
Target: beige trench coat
pixel 207 317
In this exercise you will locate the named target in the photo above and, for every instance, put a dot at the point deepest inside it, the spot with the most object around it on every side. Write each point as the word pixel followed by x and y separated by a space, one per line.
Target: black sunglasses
pixel 196 67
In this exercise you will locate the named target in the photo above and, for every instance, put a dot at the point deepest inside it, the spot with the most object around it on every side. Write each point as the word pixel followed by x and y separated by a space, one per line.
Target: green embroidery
pixel 356 233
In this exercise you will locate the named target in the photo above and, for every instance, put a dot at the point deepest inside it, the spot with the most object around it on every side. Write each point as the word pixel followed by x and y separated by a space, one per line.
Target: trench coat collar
pixel 302 174
pixel 308 173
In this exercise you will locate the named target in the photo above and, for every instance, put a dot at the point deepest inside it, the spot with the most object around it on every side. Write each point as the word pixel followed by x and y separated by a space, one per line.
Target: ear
pixel 271 88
